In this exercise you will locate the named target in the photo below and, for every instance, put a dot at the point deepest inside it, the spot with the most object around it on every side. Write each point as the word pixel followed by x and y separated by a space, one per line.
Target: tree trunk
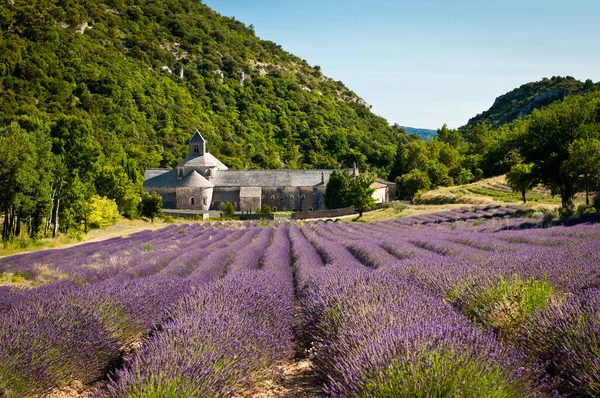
pixel 5 227
pixel 11 223
pixel 524 197
pixel 56 210
pixel 18 225
pixel 587 190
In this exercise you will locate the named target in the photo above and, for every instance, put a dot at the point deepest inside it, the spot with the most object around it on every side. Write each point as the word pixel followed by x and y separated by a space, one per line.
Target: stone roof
pixel 250 192
pixel 206 160
pixel 160 178
pixel 246 178
pixel 195 180
pixel 378 185
pixel 385 182
pixel 271 178
pixel 197 137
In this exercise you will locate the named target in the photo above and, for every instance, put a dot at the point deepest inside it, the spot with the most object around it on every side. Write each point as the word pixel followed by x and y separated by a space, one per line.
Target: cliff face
pixel 523 100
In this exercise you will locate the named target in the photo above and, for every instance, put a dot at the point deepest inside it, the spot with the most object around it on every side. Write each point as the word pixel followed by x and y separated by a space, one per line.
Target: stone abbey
pixel 202 182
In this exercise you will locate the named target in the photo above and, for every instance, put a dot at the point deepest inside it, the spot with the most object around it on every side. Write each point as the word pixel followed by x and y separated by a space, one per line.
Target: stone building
pixel 202 182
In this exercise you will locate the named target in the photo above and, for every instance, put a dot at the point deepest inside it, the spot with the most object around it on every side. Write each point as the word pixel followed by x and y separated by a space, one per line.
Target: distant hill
pixel 523 100
pixel 423 133
pixel 144 74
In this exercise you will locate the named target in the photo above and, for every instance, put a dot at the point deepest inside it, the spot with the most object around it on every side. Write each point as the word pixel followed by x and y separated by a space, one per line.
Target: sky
pixel 425 63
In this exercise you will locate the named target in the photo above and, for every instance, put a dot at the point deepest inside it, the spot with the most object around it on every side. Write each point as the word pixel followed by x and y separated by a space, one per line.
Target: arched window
pixel 192 201
pixel 274 208
pixel 291 196
pixel 272 197
pixel 204 201
pixel 311 209
pixel 196 148
pixel 303 197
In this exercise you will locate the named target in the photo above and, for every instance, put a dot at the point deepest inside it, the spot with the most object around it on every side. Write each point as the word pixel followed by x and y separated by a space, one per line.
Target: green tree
pixel 547 141
pixel 337 191
pixel 399 165
pixel 464 177
pixel 150 206
pixel 584 160
pixel 103 212
pixel 228 209
pixel 264 209
pixel 520 179
pixel 412 183
pixel 360 193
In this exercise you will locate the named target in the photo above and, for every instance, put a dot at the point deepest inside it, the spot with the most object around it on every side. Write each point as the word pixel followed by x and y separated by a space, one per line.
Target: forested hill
pixel 134 78
pixel 523 100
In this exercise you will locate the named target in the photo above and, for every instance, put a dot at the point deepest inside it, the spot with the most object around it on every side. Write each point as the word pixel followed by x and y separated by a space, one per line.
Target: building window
pixel 311 209
pixel 272 197
pixel 196 148
pixel 274 208
pixel 303 197
pixel 192 201
pixel 204 201
pixel 291 196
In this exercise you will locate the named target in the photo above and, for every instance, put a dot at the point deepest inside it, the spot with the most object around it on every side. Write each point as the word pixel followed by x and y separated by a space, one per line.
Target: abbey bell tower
pixel 197 144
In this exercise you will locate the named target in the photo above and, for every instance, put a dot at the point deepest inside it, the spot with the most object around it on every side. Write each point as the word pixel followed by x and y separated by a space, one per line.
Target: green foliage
pixel 337 191
pixel 551 133
pixel 360 193
pixel 150 206
pixel 520 179
pixel 443 373
pixel 264 209
pixel 168 220
pixel 147 247
pixel 409 185
pixel 506 305
pixel 525 99
pixel 102 212
pixel 228 209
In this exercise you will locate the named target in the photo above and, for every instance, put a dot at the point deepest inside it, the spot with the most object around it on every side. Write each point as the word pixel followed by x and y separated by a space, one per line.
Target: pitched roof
pixel 271 178
pixel 197 137
pixel 160 178
pixel 382 181
pixel 206 160
pixel 195 180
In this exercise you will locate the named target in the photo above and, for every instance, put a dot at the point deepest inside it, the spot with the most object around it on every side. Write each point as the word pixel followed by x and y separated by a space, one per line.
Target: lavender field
pixel 467 303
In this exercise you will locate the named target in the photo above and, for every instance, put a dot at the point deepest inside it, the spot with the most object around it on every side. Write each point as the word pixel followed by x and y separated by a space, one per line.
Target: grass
pixel 506 305
pixel 443 374
pixel 491 190
pixel 123 228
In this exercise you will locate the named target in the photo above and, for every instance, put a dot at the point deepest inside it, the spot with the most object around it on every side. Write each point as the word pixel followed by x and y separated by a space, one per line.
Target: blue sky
pixel 423 63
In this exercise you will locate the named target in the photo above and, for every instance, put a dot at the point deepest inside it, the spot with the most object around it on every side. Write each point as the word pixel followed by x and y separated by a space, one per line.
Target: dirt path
pixel 298 381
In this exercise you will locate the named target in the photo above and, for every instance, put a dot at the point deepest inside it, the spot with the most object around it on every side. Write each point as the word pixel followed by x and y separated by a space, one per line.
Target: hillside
pixel 523 100
pixel 423 133
pixel 141 75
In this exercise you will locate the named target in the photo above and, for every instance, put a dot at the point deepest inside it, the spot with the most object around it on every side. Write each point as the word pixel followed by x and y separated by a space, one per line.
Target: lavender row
pixel 224 337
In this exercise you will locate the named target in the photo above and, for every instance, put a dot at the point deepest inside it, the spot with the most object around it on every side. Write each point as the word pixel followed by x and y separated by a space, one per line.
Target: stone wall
pixel 169 198
pixel 225 194
pixel 294 198
pixel 194 198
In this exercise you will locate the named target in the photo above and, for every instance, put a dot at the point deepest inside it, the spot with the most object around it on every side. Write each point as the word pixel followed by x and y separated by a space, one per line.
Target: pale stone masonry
pixel 202 182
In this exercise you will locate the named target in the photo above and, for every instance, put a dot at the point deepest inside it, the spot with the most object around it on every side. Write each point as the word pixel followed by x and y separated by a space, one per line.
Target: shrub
pixel 103 212
pixel 507 304
pixel 228 209
pixel 150 205
pixel 169 219
pixel 264 209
